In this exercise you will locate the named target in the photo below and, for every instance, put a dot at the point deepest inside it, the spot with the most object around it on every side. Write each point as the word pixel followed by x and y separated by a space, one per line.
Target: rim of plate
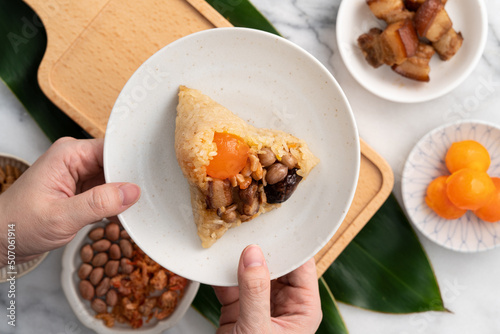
pixel 392 95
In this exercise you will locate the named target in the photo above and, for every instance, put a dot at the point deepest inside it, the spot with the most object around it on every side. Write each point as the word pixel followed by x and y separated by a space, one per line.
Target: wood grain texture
pixel 94 46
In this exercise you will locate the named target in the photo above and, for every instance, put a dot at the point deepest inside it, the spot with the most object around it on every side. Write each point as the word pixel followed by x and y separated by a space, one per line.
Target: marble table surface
pixel 469 282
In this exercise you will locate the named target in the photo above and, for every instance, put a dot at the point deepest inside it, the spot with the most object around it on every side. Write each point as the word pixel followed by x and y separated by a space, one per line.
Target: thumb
pixel 255 290
pixel 100 202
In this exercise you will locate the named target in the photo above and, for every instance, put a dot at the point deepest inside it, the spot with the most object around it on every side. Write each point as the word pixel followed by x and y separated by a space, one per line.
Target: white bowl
pixel 20 269
pixel 267 81
pixel 71 262
pixel 355 18
pixel 425 163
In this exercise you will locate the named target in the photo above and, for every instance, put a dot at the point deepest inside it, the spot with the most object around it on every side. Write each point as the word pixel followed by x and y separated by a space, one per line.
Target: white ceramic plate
pixel 267 81
pixel 355 18
pixel 71 262
pixel 425 163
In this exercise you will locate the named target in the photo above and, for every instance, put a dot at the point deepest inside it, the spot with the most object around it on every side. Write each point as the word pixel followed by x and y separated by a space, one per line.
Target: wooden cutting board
pixel 94 46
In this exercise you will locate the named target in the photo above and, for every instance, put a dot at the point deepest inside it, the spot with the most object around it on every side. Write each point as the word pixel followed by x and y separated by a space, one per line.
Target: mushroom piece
pixel 281 191
pixel 229 214
pixel 249 200
pixel 219 194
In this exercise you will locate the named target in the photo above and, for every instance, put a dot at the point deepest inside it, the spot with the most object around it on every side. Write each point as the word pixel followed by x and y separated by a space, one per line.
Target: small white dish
pixel 425 163
pixel 71 262
pixel 271 83
pixel 468 16
pixel 19 269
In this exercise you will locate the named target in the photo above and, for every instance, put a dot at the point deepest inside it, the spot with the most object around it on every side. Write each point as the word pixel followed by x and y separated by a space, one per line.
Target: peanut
pixel 103 287
pixel 101 245
pixel 126 248
pixel 111 297
pixel 267 157
pixel 99 305
pixel 289 160
pixel 86 290
pixel 84 271
pixel 124 234
pixel 100 259
pixel 126 266
pixel 114 252
pixel 111 268
pixel 112 231
pixel 276 173
pixel 96 234
pixel 86 253
pixel 96 275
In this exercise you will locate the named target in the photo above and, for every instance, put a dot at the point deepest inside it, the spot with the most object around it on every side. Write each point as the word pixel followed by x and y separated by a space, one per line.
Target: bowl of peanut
pixel 11 168
pixel 114 287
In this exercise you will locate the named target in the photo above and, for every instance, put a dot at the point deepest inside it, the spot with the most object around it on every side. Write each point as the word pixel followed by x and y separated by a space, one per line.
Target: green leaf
pixel 332 320
pixel 207 304
pixel 242 13
pixel 22 45
pixel 385 268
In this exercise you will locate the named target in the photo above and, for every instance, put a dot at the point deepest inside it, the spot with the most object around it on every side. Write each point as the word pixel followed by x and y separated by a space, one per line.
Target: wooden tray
pixel 94 46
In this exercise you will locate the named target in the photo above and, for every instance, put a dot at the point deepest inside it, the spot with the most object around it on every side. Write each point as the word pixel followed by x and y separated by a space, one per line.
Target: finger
pixel 304 276
pixel 229 298
pixel 297 294
pixel 90 152
pixel 82 158
pixel 99 202
pixel 255 289
pixel 227 295
pixel 225 329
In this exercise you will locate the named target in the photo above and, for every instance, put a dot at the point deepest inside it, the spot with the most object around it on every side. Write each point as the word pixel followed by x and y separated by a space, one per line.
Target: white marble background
pixel 469 282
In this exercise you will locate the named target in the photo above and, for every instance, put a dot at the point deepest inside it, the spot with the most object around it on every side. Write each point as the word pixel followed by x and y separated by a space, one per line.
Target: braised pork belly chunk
pixel 415 31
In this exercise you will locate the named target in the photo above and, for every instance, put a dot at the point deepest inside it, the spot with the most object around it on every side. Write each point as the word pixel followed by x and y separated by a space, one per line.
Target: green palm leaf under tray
pixel 385 268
